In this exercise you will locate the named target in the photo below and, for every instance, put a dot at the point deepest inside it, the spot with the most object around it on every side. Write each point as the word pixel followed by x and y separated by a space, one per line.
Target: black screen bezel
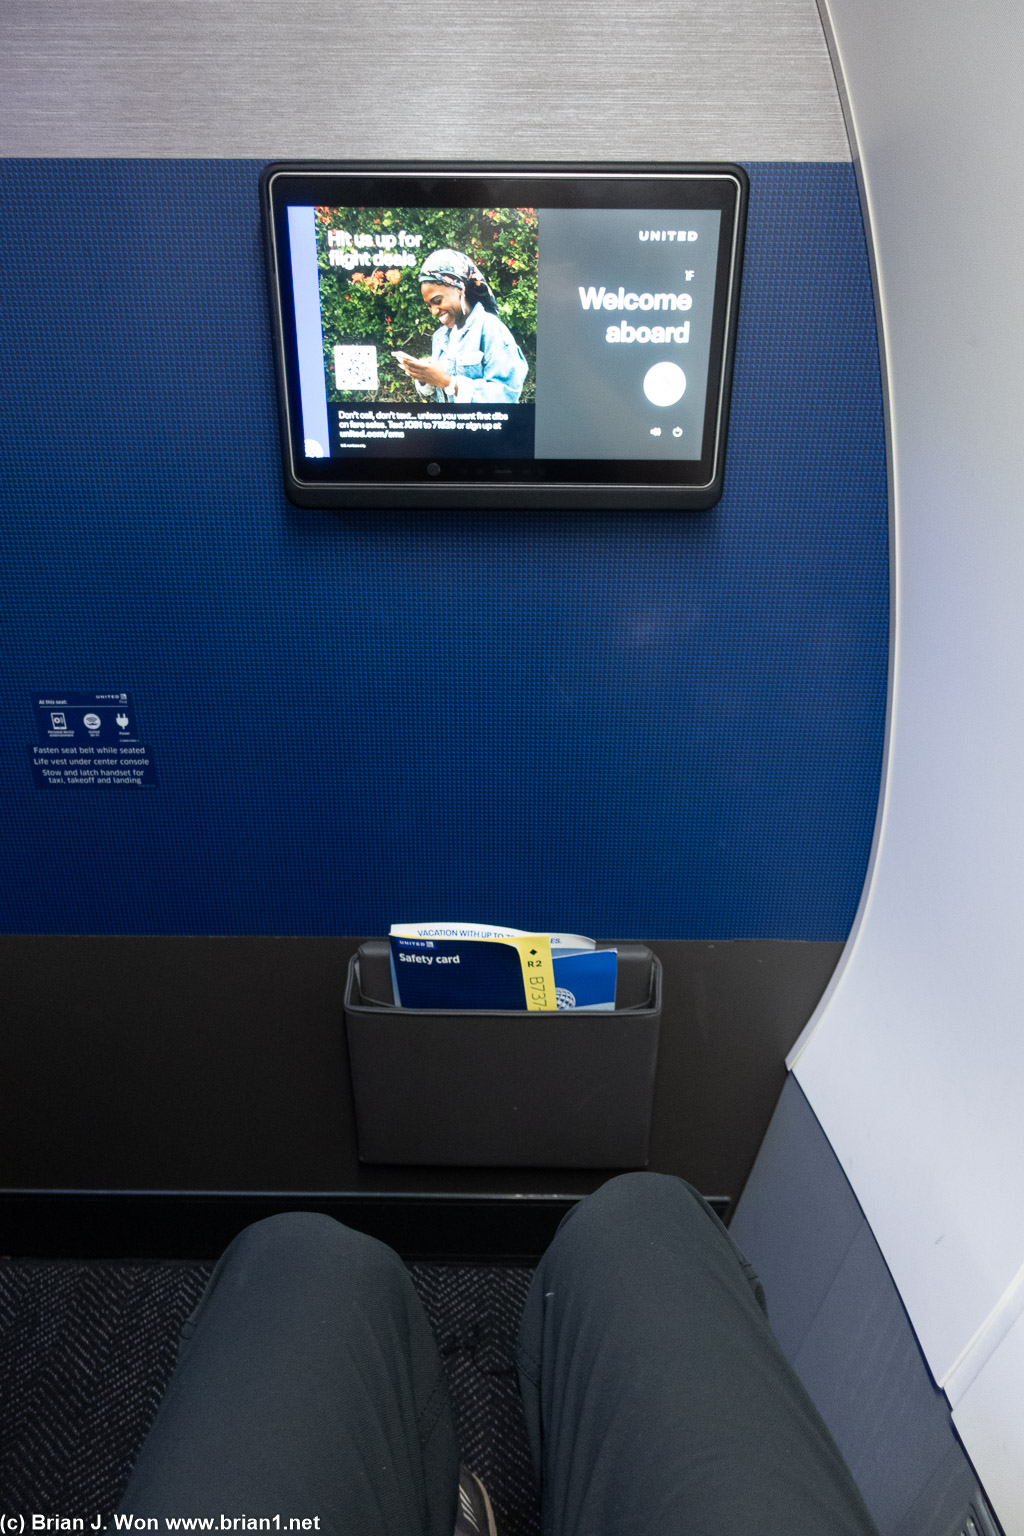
pixel 408 482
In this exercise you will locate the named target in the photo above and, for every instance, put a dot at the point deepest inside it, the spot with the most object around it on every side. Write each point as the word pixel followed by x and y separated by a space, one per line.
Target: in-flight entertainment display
pixel 513 336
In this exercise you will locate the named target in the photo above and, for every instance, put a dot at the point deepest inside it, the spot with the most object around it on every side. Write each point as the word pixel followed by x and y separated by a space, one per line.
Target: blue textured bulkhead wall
pixel 664 727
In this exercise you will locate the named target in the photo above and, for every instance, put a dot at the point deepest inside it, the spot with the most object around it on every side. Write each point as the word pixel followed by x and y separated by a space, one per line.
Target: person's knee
pixel 633 1200
pixel 298 1243
pixel 642 1190
pixel 626 1215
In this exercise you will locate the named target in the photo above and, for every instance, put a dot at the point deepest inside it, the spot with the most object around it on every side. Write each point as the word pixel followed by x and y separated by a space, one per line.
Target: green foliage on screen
pixel 379 302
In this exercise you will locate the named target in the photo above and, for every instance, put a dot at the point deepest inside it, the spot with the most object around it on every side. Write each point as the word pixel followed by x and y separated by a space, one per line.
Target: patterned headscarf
pixel 455 270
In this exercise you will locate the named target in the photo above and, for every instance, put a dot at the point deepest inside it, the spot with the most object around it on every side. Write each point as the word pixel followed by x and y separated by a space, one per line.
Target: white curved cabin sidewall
pixel 914 1060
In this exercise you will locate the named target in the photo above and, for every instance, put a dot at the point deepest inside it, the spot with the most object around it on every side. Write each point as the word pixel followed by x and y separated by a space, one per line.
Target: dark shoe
pixel 474 1517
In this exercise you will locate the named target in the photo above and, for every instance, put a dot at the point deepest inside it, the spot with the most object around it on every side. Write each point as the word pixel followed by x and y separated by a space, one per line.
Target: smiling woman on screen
pixel 474 356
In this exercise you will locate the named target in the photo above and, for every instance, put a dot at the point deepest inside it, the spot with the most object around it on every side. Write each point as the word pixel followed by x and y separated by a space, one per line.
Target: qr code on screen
pixel 355 368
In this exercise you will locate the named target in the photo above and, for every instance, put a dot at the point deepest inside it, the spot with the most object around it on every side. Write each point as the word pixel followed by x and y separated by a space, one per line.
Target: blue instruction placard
pixel 89 740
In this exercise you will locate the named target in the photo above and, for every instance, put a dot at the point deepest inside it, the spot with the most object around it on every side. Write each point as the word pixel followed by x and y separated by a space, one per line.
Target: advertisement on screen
pixel 551 333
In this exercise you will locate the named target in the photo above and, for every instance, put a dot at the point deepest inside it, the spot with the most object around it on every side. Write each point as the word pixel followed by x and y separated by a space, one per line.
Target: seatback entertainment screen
pixel 514 336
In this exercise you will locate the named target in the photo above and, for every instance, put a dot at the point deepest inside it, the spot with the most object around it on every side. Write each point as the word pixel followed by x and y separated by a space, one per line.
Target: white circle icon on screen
pixel 664 384
pixel 314 450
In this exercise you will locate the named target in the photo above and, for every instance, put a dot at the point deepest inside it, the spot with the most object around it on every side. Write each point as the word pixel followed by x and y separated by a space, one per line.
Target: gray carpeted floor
pixel 86 1350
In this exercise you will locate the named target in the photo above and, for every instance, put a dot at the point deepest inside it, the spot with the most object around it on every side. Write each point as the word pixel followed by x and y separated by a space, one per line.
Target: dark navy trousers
pixel 657 1400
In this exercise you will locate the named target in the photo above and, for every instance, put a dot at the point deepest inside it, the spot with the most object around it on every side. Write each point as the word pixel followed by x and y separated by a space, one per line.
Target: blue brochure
pixel 585 979
pixel 470 966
